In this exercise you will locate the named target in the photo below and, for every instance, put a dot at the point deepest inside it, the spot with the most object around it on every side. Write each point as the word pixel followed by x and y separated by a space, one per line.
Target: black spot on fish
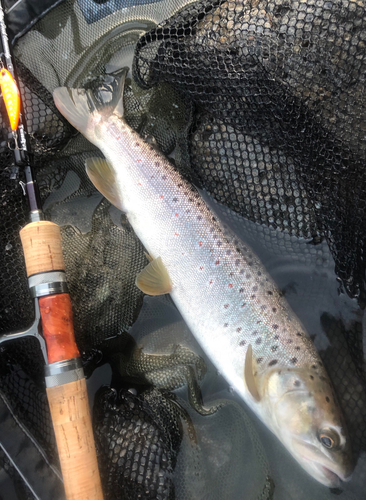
pixel 137 144
pixel 226 325
pixel 236 242
pixel 289 341
pixel 241 290
pixel 264 307
pixel 327 399
pixel 175 200
pixel 255 332
pixel 273 362
pixel 239 329
pixel 258 340
pixel 269 292
pixel 259 360
pixel 250 264
pixel 157 164
pixel 297 383
pixel 312 378
pixel 297 348
pixel 259 273
pixel 299 334
pixel 163 177
pixel 242 342
pixel 199 217
pixel 293 361
pixel 274 309
pixel 190 200
pixel 276 337
pixel 274 348
pixel 213 218
pixel 313 367
pixel 275 327
pixel 253 296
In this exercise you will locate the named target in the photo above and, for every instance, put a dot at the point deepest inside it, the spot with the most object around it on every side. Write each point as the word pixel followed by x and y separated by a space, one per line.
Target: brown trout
pixel 220 287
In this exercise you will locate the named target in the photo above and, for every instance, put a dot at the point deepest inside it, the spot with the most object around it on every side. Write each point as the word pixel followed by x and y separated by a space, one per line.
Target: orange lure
pixel 11 97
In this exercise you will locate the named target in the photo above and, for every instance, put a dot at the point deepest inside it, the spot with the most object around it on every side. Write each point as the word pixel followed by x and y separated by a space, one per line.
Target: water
pixel 305 274
pixel 236 451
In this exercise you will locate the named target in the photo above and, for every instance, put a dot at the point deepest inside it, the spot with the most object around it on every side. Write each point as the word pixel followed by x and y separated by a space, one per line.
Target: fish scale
pixel 225 295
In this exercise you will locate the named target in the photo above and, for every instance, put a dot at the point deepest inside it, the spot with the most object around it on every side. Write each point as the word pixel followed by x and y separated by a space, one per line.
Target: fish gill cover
pixel 264 102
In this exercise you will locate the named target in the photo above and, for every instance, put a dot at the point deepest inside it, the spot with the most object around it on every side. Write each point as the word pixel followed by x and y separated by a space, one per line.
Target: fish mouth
pixel 323 474
pixel 333 478
pixel 329 475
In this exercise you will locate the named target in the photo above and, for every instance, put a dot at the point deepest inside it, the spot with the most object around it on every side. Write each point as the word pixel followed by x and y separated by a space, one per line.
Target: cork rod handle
pixel 42 248
pixel 68 400
pixel 75 442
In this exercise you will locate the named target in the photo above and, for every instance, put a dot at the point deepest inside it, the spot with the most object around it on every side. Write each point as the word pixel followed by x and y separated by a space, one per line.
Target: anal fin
pixel 154 279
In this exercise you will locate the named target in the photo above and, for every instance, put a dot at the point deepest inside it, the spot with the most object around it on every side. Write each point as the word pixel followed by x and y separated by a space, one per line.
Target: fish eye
pixel 326 441
pixel 329 438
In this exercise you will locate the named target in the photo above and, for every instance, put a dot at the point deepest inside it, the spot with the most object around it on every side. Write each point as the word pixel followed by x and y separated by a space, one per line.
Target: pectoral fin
pixel 149 257
pixel 101 173
pixel 154 279
pixel 248 374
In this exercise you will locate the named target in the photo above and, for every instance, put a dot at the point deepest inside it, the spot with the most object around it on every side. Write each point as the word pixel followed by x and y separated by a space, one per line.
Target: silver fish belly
pixel 223 292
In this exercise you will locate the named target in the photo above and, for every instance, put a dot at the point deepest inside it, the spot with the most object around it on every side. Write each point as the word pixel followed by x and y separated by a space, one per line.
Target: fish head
pixel 308 420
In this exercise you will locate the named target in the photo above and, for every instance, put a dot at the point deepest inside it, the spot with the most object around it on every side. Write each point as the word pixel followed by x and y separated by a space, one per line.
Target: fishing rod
pixel 53 325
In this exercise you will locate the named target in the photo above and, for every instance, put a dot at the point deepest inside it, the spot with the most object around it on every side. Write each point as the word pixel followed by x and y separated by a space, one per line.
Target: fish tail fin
pixel 74 105
pixel 116 104
pixel 77 105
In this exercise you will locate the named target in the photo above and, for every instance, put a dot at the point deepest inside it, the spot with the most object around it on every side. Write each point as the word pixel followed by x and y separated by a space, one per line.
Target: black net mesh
pixel 279 133
pixel 263 104
pixel 138 438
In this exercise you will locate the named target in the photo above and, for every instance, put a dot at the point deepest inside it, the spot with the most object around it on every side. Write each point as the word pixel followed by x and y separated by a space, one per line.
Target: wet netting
pixel 262 105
